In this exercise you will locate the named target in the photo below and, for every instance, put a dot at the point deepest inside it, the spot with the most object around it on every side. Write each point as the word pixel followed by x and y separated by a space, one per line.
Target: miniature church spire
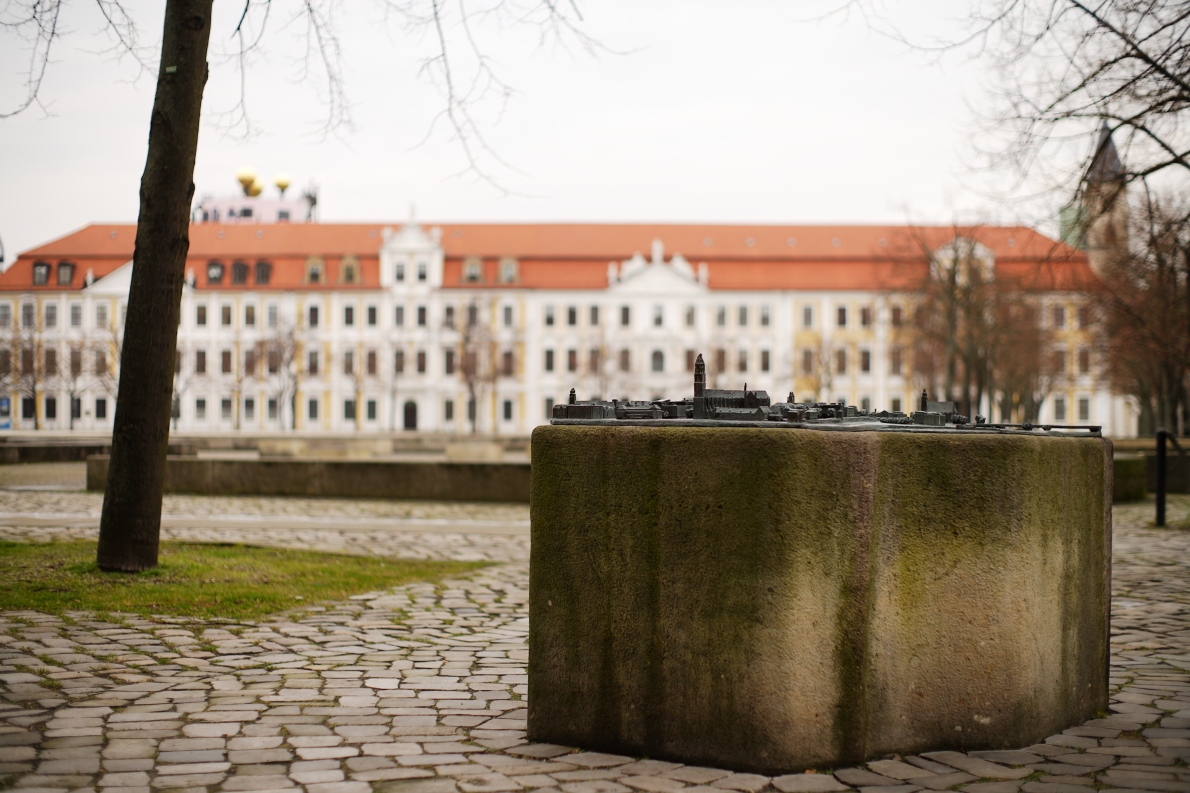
pixel 925 400
pixel 573 397
pixel 700 376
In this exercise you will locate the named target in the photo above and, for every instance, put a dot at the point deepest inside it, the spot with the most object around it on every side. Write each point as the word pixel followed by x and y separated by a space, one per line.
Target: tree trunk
pixel 130 527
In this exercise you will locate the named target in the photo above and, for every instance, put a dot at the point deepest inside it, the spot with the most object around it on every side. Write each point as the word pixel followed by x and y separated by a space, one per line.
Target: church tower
pixel 1097 221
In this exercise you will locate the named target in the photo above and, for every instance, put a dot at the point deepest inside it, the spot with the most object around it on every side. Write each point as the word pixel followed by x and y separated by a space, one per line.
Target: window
pixel 76 315
pixel 371 409
pixel 1059 362
pixel 508 271
pixel 595 360
pixel 508 316
pixel 421 316
pixel 625 361
pixel 896 404
pixel 1084 361
pixel 549 315
pixel 720 360
pixel 250 409
pixel 27 360
pixel 272 315
pixel 349 410
pixel 51 408
pixel 658 316
pixel 312 316
pixel 807 361
pixel 865 360
pixel 549 360
pixel 690 316
pixel 348 270
pixel 5 362
pixel 225 315
pixel 273 360
pixel 896 316
pixel 625 316
pixel 421 361
pixel 348 315
pixel 473 271
pixel 239 272
pixel 312 363
pixel 765 362
pixel 225 362
pixel 1059 316
pixel 594 316
pixel 742 362
pixel 76 408
pixel 312 410
pixel 841 319
pixel 1084 316
pixel 765 317
pixel 214 273
pixel 807 317
pixel 448 410
pixel 894 360
pixel 200 409
pixel 658 361
pixel 470 410
pixel 250 316
pixel 743 316
pixel 1059 408
pixel 400 271
pixel 100 315
pixel 399 362
pixel 448 364
pixel 1084 409
pixel 372 316
pixel 549 407
pixel 349 362
pixel 6 314
pixel 29 315
pixel 572 360
pixel 399 317
pixel 370 362
pixel 250 362
pixel 41 277
pixel 421 271
pixel 691 356
pixel 472 316
pixel 721 316
pixel 76 362
pixel 449 317
pixel 841 361
pixel 264 272
pixel 507 363
pixel 51 361
pixel 65 273
pixel 314 271
pixel 51 316
pixel 200 362
pixel 200 315
pixel 865 316
pixel 225 409
pixel 572 315
pixel 508 410
pixel 272 409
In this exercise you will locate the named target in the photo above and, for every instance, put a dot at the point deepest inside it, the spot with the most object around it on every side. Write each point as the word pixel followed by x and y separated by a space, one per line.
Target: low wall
pixel 341 478
pixel 60 451
pixel 773 600
pixel 1129 478
pixel 1177 471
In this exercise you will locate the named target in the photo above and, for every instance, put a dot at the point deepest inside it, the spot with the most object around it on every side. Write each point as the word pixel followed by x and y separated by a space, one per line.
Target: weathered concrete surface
pixel 478 481
pixel 770 600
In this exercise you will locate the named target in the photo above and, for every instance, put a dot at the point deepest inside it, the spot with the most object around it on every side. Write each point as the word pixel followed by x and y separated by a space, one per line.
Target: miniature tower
pixel 700 387
pixel 573 397
pixel 925 401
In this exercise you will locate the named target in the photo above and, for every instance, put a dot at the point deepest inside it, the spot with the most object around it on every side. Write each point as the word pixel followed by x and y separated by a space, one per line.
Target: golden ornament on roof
pixel 282 181
pixel 246 176
pixel 256 188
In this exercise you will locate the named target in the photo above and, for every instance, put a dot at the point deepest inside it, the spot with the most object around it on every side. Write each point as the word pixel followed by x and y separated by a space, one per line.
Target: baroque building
pixel 446 327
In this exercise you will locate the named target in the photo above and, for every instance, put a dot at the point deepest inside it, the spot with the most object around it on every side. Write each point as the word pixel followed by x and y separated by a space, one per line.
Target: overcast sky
pixel 699 111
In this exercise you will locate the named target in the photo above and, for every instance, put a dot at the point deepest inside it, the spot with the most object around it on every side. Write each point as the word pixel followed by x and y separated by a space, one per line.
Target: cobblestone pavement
pixel 421 689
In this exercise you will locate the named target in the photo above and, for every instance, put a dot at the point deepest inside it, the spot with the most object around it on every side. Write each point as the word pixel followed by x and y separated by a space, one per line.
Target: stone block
pixel 775 600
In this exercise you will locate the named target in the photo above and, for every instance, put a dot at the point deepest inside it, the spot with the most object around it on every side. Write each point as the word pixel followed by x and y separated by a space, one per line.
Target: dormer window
pixel 264 271
pixel 41 273
pixel 508 271
pixel 282 215
pixel 215 273
pixel 314 271
pixel 65 273
pixel 246 212
pixel 349 270
pixel 473 271
pixel 239 272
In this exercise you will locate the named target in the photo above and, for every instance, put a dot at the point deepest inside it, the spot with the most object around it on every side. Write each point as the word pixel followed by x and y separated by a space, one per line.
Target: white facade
pixel 354 359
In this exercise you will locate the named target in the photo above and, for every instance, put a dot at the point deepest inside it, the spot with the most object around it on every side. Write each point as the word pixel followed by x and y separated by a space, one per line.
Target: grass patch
pixel 196 580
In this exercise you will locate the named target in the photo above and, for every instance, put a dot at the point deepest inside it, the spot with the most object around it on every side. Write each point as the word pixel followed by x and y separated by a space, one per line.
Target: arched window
pixel 411 415
pixel 658 361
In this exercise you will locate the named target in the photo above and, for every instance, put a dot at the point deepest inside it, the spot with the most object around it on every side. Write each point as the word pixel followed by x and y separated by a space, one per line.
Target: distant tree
pixel 22 364
pixel 479 364
pixel 279 365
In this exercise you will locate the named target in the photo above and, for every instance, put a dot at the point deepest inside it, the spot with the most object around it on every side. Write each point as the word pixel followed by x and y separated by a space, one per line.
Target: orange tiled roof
pixel 576 255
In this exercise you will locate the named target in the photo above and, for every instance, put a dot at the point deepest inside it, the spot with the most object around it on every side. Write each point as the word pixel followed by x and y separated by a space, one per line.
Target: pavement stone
pixel 422 688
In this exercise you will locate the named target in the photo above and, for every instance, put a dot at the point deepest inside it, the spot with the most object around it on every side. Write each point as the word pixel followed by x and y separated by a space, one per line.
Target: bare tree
pixel 279 365
pixel 24 370
pixel 479 366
